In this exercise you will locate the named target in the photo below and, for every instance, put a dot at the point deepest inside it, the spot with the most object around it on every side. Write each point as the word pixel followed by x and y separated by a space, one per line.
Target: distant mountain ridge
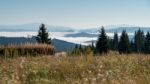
pixel 117 29
pixel 128 29
pixel 81 34
pixel 33 27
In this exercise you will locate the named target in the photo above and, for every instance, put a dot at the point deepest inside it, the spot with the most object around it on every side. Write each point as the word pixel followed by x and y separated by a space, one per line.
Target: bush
pixel 26 50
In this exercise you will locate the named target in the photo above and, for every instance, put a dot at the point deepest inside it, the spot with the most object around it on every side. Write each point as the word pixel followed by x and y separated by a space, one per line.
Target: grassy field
pixel 105 69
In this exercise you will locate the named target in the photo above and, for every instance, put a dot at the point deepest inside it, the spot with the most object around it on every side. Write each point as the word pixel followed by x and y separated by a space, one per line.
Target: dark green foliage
pixel 115 41
pixel 138 44
pixel 80 50
pixel 139 39
pixel 102 43
pixel 43 35
pixel 132 46
pixel 147 43
pixel 110 44
pixel 124 46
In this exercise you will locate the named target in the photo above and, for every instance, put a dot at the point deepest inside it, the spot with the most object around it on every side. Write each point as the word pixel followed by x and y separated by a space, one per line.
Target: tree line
pixel 140 43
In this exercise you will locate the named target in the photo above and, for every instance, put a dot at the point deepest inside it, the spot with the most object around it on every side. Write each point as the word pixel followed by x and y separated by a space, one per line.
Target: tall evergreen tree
pixel 132 46
pixel 43 35
pixel 147 43
pixel 110 44
pixel 102 43
pixel 115 41
pixel 124 46
pixel 139 39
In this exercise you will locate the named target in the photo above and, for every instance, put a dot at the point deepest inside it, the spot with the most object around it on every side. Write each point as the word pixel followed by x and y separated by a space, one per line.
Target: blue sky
pixel 75 13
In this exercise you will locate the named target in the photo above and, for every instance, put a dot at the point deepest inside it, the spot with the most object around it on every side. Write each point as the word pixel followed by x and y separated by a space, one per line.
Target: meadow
pixel 111 68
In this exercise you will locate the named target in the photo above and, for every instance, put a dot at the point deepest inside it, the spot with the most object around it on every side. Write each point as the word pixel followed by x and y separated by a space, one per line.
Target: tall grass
pixel 109 68
pixel 26 50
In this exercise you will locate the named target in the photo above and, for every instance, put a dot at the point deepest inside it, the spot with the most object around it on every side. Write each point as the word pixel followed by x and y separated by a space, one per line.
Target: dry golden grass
pixel 110 68
pixel 26 50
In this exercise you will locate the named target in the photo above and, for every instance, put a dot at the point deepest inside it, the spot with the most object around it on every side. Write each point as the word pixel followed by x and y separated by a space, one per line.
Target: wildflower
pixel 89 72
pixel 99 70
pixel 103 79
pixel 100 75
pixel 85 79
pixel 108 72
pixel 55 71
pixel 93 80
pixel 77 82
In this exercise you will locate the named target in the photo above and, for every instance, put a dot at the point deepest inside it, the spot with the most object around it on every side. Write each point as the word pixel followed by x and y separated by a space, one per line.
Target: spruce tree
pixel 102 43
pixel 132 46
pixel 43 35
pixel 110 44
pixel 115 41
pixel 139 39
pixel 147 43
pixel 124 46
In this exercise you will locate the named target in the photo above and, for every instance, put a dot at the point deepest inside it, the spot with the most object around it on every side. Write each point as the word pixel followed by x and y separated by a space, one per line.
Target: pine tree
pixel 102 43
pixel 132 46
pixel 43 35
pixel 115 41
pixel 139 41
pixel 147 43
pixel 110 44
pixel 124 46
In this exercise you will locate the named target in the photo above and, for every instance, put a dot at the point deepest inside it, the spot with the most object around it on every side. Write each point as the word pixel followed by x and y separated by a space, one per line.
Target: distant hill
pixel 119 29
pixel 16 40
pixel 58 44
pixel 33 27
pixel 89 30
pixel 61 45
pixel 128 29
pixel 81 34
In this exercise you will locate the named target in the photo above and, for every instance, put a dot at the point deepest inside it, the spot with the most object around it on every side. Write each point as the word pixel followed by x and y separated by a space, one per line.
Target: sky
pixel 75 13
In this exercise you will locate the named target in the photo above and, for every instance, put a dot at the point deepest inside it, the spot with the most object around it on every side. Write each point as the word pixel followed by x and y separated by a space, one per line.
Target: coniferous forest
pixel 121 44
